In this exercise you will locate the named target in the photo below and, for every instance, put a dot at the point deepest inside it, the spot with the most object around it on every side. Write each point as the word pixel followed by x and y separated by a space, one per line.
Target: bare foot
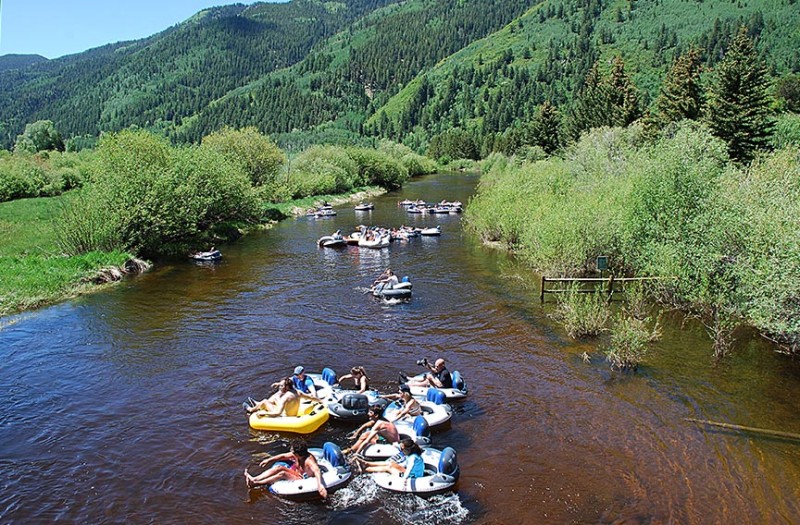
pixel 248 478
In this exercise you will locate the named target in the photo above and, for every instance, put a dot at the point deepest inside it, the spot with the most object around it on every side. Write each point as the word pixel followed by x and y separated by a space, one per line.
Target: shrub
pixel 582 314
pixel 152 199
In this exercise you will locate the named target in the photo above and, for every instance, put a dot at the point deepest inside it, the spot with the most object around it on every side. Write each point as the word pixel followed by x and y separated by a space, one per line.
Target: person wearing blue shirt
pixel 303 383
pixel 409 466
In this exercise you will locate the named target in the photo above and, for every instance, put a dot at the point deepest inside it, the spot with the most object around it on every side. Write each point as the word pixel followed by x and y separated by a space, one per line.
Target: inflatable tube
pixel 311 416
pixel 437 230
pixel 399 291
pixel 459 390
pixel 333 467
pixel 214 255
pixel 350 406
pixel 434 409
pixel 441 474
pixel 417 430
pixel 324 382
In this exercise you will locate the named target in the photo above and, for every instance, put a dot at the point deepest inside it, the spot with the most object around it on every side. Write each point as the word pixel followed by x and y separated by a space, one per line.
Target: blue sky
pixel 53 28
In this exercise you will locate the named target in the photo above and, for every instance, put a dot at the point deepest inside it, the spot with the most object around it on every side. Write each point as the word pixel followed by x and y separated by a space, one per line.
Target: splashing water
pixel 360 491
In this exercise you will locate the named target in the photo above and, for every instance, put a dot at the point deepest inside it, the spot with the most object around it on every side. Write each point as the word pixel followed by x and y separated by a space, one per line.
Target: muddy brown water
pixel 125 406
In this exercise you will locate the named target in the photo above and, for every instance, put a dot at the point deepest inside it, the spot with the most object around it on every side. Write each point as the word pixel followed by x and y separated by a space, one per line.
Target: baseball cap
pixel 298 370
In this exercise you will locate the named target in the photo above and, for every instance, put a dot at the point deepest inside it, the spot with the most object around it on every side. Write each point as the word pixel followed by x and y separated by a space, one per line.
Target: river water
pixel 125 406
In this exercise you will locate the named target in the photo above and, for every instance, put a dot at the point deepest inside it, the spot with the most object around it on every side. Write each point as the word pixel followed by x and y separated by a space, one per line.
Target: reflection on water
pixel 125 406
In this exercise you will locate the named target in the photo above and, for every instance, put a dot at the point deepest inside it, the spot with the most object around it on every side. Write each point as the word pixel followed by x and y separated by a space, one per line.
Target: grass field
pixel 33 272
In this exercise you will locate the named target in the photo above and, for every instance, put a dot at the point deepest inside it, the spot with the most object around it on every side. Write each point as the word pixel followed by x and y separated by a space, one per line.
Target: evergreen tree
pixel 611 101
pixel 738 109
pixel 547 128
pixel 623 97
pixel 681 95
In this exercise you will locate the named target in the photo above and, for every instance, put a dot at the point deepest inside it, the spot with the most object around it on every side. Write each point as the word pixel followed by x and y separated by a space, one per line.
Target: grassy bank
pixel 726 236
pixel 33 272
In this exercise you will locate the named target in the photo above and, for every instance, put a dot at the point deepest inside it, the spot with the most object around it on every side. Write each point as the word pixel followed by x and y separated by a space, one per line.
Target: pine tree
pixel 738 109
pixel 611 101
pixel 547 128
pixel 681 95
pixel 623 97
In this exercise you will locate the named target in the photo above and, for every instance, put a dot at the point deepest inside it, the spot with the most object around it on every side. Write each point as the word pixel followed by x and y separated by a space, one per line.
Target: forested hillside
pixel 500 81
pixel 408 70
pixel 157 81
pixel 361 67
pixel 19 61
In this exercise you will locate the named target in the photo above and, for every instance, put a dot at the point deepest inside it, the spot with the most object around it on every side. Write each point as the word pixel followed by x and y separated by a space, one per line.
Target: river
pixel 124 406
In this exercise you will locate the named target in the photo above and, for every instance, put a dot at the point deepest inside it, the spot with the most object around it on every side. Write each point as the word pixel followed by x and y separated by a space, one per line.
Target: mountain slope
pixel 359 68
pixel 156 81
pixel 8 62
pixel 546 53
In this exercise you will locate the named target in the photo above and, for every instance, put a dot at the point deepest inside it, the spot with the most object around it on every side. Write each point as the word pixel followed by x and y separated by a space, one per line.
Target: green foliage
pixel 582 314
pixel 33 270
pixel 633 330
pixel 258 156
pixel 787 91
pixel 42 175
pixel 453 144
pixel 39 136
pixel 379 168
pixel 629 343
pixel 682 95
pixel 763 241
pixel 787 130
pixel 151 199
pixel 739 108
pixel 724 238
pixel 610 100
pixel 323 170
pixel 33 281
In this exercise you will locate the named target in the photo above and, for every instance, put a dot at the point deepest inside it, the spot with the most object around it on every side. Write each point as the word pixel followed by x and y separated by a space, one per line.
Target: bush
pixel 582 314
pixel 152 199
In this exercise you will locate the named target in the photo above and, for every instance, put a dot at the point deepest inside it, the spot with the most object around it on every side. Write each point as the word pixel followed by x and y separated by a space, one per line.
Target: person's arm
pixel 303 395
pixel 314 468
pixel 346 376
pixel 357 431
pixel 272 459
pixel 435 380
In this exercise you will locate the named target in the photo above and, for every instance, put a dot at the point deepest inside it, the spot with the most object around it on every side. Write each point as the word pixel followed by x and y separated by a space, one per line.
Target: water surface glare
pixel 125 406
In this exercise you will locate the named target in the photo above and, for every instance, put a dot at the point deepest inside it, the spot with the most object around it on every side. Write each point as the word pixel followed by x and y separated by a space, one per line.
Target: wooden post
pixel 541 295
pixel 610 286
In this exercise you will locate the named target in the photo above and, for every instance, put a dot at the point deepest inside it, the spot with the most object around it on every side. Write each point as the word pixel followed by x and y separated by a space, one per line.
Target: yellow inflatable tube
pixel 311 416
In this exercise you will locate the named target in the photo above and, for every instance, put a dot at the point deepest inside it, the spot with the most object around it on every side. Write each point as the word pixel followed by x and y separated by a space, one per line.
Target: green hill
pixel 407 70
pixel 155 82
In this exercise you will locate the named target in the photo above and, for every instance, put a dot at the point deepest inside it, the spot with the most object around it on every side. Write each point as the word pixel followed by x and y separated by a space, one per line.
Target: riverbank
pixel 725 236
pixel 34 273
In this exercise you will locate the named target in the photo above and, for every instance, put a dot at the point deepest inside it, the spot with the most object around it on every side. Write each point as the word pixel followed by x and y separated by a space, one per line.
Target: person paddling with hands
pixel 296 464
pixel 379 430
pixel 359 375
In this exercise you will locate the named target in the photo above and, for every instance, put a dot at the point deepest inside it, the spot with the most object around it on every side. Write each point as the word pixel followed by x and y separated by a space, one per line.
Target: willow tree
pixel 739 106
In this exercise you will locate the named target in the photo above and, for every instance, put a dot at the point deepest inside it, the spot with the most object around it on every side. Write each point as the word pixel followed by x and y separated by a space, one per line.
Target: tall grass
pixel 33 272
pixel 728 237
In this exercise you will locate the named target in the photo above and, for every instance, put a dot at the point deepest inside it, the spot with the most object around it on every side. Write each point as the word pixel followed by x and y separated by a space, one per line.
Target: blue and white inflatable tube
pixel 352 406
pixel 458 391
pixel 441 474
pixel 335 472
pixel 434 409
pixel 418 430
